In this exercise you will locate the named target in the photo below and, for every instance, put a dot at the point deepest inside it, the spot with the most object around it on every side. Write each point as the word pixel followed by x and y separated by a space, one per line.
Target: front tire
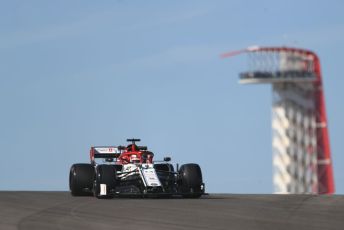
pixel 81 179
pixel 190 181
pixel 105 181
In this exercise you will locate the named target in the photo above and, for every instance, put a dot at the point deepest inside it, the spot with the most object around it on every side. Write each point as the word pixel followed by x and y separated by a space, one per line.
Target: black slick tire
pixel 105 174
pixel 81 179
pixel 190 181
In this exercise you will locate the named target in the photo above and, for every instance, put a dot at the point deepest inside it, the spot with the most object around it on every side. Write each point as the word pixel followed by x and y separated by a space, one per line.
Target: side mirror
pixel 167 159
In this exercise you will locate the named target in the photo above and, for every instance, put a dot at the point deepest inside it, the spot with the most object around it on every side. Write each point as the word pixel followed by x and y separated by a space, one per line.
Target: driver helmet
pixel 134 159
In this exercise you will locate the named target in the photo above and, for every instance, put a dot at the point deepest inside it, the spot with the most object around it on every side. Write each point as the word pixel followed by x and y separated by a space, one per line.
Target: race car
pixel 132 171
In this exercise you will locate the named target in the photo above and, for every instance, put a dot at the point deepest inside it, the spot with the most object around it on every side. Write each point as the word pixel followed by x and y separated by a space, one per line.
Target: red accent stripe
pixel 325 171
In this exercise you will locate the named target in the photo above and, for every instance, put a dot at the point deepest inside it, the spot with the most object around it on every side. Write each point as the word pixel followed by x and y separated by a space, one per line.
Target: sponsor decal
pixel 151 177
pixel 107 150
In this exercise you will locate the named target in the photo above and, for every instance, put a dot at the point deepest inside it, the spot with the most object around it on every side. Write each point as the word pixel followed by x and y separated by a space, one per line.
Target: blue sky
pixel 80 73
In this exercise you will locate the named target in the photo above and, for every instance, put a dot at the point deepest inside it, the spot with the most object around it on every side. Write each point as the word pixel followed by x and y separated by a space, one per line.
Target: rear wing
pixel 105 152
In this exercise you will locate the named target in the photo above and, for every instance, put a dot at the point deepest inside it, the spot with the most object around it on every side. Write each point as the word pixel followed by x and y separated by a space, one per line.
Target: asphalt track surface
pixel 59 210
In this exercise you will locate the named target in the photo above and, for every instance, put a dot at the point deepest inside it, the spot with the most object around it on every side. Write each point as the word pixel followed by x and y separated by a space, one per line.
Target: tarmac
pixel 60 210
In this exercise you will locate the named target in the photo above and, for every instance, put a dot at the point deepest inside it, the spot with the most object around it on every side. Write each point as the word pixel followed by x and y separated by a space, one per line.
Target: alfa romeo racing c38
pixel 132 171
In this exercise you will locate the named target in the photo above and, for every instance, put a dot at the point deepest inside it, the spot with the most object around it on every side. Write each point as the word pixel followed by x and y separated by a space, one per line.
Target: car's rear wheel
pixel 105 181
pixel 190 181
pixel 81 179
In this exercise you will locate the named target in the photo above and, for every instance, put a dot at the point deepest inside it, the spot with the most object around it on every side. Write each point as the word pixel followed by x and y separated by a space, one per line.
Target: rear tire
pixel 105 174
pixel 190 181
pixel 81 179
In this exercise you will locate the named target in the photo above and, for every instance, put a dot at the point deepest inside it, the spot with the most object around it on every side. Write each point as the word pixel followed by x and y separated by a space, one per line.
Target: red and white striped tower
pixel 300 142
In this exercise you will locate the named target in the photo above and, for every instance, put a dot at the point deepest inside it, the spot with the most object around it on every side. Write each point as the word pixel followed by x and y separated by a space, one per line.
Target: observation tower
pixel 300 141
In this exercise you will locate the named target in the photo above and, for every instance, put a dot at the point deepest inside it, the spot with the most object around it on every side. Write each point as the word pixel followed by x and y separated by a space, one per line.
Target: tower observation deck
pixel 300 141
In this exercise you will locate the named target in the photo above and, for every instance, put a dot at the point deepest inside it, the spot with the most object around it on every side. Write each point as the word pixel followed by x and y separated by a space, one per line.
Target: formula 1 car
pixel 131 171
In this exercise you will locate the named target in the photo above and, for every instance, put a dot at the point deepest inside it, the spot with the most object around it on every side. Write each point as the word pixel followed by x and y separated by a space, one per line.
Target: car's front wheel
pixel 105 181
pixel 190 181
